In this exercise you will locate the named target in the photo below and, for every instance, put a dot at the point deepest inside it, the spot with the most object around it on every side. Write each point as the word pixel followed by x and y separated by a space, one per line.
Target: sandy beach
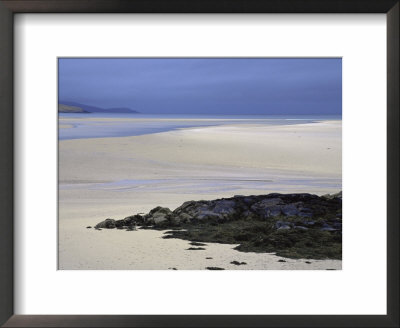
pixel 115 177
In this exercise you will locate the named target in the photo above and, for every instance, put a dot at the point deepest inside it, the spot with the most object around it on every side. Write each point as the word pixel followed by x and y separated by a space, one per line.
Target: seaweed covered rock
pixel 215 210
pixel 309 208
pixel 292 225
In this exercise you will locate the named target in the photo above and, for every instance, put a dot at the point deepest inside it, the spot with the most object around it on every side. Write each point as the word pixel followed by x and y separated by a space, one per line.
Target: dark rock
pixel 131 220
pixel 160 211
pixel 107 224
pixel 239 207
pixel 290 210
pixel 214 268
pixel 158 215
pixel 195 249
pixel 337 225
pixel 208 258
pixel 281 261
pixel 281 225
pixel 184 217
pixel 88 227
pixel 308 262
pixel 308 222
pixel 238 263
pixel 186 207
pixel 270 207
pixel 301 227
pixel 305 213
pixel 208 215
pixel 327 227
pixel 225 207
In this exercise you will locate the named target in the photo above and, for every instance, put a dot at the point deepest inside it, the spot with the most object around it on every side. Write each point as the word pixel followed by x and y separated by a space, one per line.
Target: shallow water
pixel 94 125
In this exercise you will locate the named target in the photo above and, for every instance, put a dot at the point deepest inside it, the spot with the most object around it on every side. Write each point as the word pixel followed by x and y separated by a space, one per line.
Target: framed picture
pixel 148 145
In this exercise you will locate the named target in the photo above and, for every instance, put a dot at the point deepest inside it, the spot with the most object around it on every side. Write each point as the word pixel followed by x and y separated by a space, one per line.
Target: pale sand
pixel 65 126
pixel 146 250
pixel 116 177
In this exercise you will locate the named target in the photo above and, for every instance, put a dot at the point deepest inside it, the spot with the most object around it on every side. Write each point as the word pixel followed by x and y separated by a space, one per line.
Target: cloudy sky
pixel 205 86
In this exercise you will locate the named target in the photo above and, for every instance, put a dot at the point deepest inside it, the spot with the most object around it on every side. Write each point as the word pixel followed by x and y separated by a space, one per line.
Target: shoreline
pixel 87 126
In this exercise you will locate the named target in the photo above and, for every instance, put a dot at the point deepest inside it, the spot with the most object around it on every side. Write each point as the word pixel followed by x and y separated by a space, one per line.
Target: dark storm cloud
pixel 205 86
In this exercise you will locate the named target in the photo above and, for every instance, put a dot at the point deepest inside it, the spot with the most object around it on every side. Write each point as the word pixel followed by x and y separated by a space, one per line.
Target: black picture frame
pixel 10 7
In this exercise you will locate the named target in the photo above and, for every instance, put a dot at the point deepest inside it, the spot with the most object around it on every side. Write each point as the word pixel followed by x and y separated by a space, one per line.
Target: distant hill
pixel 70 109
pixel 93 109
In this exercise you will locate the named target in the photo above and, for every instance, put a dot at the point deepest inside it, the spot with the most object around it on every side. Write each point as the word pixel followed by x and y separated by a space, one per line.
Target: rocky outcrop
pixel 293 225
pixel 304 207
pixel 158 215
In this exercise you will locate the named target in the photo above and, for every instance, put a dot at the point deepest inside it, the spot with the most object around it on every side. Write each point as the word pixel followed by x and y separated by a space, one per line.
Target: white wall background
pixel 360 288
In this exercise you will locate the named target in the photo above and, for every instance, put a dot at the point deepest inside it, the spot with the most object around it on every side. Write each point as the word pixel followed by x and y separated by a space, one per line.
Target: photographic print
pixel 199 163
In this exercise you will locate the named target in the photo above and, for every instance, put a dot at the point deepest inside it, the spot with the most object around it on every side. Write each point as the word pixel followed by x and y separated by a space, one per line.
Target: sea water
pixel 106 125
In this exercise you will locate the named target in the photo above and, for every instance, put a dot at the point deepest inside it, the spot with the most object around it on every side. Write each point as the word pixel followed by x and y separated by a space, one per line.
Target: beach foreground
pixel 111 249
pixel 118 177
